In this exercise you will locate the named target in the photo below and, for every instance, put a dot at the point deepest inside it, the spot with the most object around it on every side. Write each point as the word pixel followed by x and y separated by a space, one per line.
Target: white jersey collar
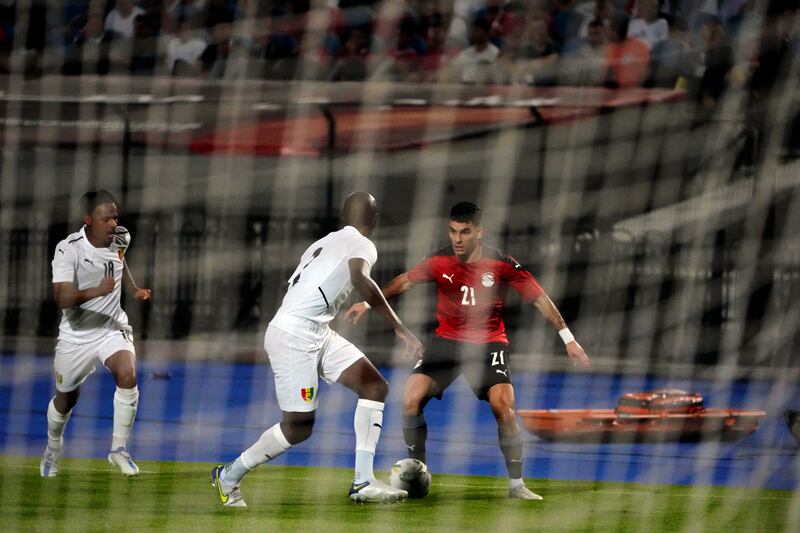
pixel 86 243
pixel 85 238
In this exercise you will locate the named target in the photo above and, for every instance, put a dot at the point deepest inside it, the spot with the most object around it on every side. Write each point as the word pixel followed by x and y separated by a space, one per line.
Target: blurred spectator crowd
pixel 703 45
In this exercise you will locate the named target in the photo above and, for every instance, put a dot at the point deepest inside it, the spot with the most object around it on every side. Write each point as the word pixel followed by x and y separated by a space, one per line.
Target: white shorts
pixel 75 362
pixel 299 357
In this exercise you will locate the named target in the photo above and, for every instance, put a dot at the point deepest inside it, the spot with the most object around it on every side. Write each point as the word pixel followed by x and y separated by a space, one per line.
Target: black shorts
pixel 482 365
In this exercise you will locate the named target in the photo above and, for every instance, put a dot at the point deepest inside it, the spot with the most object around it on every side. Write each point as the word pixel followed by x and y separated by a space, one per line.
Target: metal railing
pixel 632 299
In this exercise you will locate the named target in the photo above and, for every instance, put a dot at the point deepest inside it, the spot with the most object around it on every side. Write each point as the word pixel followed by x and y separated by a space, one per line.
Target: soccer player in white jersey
pixel 87 277
pixel 302 347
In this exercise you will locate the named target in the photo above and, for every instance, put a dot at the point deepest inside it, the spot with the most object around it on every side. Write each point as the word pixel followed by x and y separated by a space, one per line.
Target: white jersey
pixel 321 282
pixel 123 26
pixel 651 33
pixel 78 262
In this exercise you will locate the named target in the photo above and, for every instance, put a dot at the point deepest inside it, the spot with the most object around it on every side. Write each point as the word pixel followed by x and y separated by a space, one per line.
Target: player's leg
pixel 63 402
pixel 364 379
pixel 295 428
pixel 501 400
pixel 419 389
pixel 430 377
pixel 293 360
pixel 122 364
pixel 489 375
pixel 126 397
pixel 72 365
pixel 343 363
pixel 58 411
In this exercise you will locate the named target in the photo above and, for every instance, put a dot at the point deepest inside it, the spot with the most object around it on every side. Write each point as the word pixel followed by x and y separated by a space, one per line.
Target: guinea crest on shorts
pixel 307 394
pixel 487 279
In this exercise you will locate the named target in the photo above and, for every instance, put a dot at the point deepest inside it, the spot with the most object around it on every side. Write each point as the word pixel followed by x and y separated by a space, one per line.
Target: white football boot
pixel 122 460
pixel 522 492
pixel 48 467
pixel 376 491
pixel 229 495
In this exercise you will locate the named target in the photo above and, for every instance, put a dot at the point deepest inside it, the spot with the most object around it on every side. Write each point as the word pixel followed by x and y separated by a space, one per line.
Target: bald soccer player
pixel 302 347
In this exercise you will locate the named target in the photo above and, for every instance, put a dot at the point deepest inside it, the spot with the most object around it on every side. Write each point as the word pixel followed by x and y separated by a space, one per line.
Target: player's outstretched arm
pixel 130 284
pixel 396 287
pixel 66 295
pixel 369 290
pixel 574 350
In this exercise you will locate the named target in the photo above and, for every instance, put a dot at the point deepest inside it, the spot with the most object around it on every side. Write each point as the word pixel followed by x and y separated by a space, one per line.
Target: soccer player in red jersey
pixel 472 281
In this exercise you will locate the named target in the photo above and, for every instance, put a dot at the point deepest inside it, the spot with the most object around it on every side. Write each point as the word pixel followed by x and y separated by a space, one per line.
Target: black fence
pixel 640 300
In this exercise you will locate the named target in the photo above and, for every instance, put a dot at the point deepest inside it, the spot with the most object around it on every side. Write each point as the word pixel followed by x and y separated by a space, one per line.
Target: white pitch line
pixel 109 469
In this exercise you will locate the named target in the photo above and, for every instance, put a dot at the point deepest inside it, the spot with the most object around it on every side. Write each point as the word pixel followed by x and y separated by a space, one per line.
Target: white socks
pixel 125 403
pixel 272 443
pixel 56 422
pixel 514 483
pixel 368 421
pixel 269 445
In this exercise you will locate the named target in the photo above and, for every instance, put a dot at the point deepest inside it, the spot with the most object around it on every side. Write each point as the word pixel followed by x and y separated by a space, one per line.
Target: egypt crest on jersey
pixel 471 296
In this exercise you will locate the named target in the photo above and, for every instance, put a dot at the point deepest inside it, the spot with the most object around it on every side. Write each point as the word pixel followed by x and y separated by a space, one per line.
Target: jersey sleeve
pixel 364 249
pixel 423 271
pixel 64 263
pixel 524 282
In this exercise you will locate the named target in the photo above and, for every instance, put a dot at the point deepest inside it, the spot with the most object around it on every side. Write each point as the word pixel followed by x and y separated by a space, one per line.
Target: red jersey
pixel 472 295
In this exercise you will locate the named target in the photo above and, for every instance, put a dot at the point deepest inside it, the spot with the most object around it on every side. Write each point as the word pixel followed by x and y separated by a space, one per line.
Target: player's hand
pixel 143 294
pixel 413 348
pixel 577 355
pixel 355 312
pixel 106 286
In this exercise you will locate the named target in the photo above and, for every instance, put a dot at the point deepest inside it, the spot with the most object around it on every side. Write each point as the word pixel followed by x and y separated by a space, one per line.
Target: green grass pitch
pixel 169 496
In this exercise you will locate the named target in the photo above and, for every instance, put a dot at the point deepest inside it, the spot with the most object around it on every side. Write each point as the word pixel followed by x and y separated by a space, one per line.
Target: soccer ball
pixel 412 476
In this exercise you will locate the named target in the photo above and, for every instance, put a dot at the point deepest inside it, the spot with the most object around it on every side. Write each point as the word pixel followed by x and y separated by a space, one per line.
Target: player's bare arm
pixel 396 287
pixel 130 284
pixel 66 295
pixel 369 290
pixel 574 350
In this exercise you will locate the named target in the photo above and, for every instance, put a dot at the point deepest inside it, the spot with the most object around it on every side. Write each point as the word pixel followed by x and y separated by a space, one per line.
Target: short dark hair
pixel 465 212
pixel 92 199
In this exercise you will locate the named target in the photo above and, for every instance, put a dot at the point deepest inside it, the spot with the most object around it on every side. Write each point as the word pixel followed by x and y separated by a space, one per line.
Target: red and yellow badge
pixel 307 394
